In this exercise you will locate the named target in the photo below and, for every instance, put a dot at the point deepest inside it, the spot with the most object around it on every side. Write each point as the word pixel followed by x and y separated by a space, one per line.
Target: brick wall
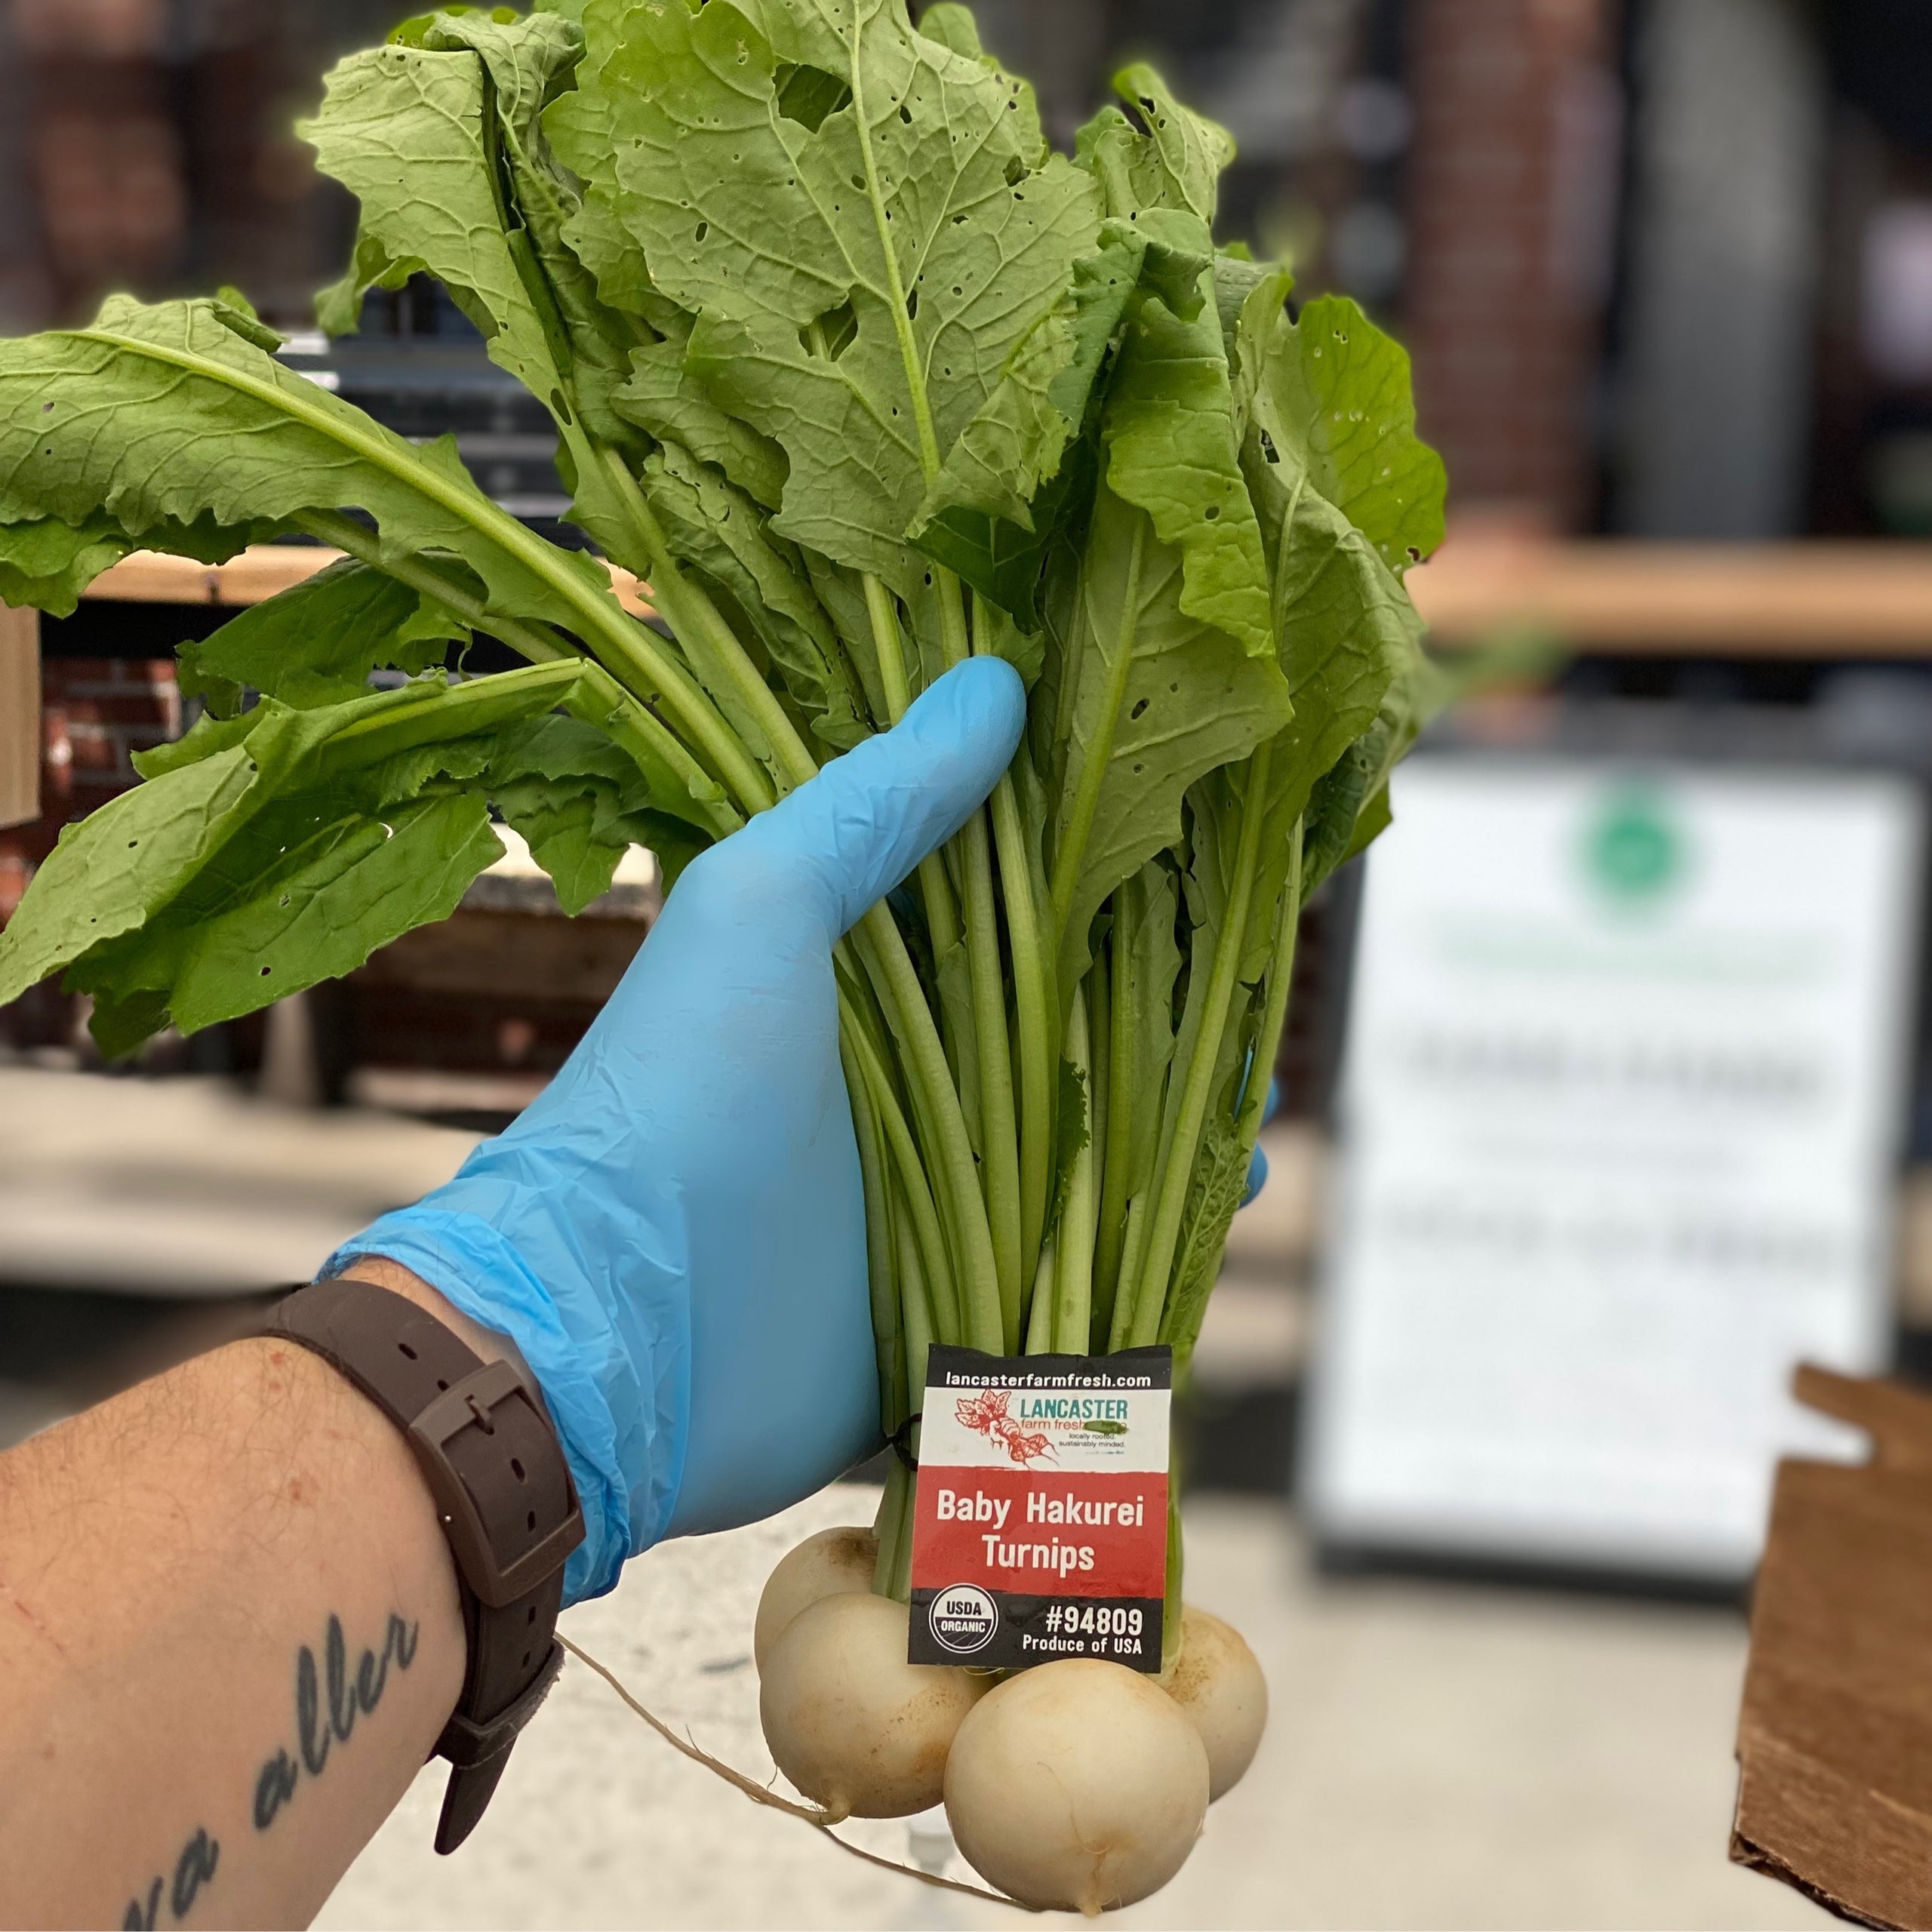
pixel 1512 198
pixel 97 713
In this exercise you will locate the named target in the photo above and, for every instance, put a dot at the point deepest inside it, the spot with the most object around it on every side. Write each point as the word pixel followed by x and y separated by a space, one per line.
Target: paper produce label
pixel 1040 1519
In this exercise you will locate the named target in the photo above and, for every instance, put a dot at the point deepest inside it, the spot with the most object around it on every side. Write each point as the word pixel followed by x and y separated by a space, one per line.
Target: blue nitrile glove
pixel 674 1233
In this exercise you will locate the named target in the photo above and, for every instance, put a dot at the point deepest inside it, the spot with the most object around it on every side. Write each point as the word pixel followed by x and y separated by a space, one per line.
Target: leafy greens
pixel 863 379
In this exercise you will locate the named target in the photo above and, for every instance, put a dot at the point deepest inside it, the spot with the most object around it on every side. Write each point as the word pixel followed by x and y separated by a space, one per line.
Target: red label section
pixel 1028 1533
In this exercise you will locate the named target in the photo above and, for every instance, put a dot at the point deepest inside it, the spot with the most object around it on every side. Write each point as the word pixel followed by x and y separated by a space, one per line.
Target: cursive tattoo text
pixel 192 1870
pixel 328 1700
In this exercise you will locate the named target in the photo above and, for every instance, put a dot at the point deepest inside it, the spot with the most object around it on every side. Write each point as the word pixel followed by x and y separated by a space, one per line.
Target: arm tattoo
pixel 327 1702
pixel 192 1870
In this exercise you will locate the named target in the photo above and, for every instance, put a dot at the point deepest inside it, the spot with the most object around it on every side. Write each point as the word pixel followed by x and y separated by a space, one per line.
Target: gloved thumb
pixel 854 832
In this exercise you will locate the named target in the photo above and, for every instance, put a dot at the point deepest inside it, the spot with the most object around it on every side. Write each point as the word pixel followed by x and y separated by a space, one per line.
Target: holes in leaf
pixel 1214 512
pixel 266 971
pixel 703 229
pixel 1016 171
pixel 859 182
pixel 839 329
pixel 560 409
pixel 904 114
pixel 47 409
pixel 1139 711
pixel 912 306
pixel 807 94
pixel 1268 448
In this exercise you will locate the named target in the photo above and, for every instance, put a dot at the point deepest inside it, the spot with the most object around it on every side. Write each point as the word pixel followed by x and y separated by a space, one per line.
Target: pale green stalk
pixel 908 1176
pixel 1040 1308
pixel 1073 1285
pixel 952 1166
pixel 889 646
pixel 1070 854
pixel 879 1243
pixel 1196 1091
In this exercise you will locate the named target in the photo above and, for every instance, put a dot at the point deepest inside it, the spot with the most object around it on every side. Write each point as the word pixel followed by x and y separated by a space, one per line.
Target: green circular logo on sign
pixel 1633 851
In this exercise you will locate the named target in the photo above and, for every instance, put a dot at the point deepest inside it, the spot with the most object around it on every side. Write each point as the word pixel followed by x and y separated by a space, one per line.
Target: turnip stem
pixel 1077 827
pixel 1132 1248
pixel 536 642
pixel 976 1272
pixel 1073 1286
pixel 1040 1307
pixel 912 1194
pixel 879 1251
pixel 893 1526
pixel 1121 1029
pixel 915 1302
pixel 1198 1078
pixel 999 1132
pixel 699 625
pixel 1035 1008
pixel 1183 1337
pixel 889 646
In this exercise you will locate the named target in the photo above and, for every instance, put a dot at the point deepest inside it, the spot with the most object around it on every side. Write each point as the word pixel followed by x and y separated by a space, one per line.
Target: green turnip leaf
pixel 859 287
pixel 317 643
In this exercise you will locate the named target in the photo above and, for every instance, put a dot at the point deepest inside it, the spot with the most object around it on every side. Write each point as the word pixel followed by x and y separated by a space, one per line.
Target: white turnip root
pixel 821 1566
pixel 1078 1785
pixel 854 1726
pixel 1217 1681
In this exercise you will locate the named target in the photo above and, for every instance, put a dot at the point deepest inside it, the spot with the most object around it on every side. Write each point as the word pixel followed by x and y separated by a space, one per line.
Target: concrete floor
pixel 1439 1755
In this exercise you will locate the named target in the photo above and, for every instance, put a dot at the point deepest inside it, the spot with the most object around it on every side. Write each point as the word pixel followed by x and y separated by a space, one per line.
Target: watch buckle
pixel 470 1404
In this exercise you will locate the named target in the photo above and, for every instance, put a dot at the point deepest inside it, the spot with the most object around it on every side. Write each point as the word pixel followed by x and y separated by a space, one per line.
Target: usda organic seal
pixel 964 1619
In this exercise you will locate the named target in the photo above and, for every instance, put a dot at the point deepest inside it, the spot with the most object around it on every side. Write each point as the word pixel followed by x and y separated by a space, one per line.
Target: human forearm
pixel 229 1636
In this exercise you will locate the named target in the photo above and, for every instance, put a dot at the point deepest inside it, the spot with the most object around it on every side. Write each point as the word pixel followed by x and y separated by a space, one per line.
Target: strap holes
pixel 533 1519
pixel 532 1617
pixel 516 1468
pixel 526 1659
pixel 442 1385
pixel 407 1350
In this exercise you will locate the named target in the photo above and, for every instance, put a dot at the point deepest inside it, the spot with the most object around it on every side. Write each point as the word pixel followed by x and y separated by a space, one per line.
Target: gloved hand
pixel 674 1233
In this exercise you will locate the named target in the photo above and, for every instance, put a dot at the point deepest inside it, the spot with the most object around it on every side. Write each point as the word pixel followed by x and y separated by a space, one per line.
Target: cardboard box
pixel 1834 1744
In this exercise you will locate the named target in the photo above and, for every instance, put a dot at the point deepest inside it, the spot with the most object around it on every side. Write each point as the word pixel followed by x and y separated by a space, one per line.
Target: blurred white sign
pixel 1620 1115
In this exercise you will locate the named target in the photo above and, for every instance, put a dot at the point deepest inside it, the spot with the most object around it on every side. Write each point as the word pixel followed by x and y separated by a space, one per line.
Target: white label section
pixel 1119 1431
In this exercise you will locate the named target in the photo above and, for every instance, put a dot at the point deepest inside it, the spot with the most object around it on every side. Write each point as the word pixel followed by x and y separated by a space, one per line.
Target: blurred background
pixel 1607 1093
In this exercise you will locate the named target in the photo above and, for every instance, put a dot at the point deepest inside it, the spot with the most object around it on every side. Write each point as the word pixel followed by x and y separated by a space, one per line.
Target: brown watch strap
pixel 502 1491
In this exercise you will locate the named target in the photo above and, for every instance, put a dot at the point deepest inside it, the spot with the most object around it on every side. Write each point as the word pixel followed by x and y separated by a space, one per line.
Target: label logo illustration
pixel 964 1619
pixel 986 1414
